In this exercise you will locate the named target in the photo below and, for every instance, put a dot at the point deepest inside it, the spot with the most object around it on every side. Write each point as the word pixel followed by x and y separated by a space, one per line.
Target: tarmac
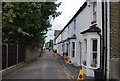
pixel 45 67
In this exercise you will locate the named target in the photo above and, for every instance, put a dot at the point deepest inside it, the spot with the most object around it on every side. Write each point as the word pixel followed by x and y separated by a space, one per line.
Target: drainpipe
pixel 104 39
pixel 80 52
pixel 6 56
pixel 102 62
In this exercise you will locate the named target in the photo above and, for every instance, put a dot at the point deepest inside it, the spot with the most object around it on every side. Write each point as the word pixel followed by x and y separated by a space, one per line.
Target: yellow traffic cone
pixel 80 75
pixel 65 58
pixel 52 52
pixel 69 61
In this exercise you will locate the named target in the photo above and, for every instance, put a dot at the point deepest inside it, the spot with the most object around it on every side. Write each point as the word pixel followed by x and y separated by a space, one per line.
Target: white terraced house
pixel 90 38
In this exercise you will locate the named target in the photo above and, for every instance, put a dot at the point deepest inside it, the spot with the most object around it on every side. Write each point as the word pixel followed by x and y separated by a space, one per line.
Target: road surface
pixel 45 67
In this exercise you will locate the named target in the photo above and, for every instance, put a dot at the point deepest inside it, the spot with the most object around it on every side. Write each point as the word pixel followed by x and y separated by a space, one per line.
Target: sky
pixel 68 8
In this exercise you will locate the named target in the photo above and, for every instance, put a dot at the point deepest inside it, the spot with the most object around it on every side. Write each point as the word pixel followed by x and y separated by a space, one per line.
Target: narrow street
pixel 45 67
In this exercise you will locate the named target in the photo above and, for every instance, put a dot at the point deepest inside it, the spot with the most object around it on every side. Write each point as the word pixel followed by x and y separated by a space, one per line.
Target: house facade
pixel 91 37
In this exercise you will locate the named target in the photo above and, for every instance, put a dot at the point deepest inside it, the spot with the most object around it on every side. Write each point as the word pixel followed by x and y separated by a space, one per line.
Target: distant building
pixel 56 33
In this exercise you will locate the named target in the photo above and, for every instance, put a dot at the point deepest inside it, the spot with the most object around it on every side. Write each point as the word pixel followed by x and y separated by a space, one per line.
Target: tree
pixel 26 23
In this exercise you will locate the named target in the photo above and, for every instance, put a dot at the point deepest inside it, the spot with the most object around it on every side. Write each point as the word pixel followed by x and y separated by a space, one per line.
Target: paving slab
pixel 74 70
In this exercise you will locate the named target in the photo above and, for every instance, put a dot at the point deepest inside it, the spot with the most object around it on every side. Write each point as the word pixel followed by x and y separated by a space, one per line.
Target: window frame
pixel 68 29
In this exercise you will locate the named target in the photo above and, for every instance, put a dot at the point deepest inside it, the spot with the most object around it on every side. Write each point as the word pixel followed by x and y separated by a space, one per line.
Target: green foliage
pixel 26 23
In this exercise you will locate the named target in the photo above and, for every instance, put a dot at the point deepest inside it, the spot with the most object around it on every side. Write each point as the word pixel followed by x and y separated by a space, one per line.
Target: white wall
pixel 83 22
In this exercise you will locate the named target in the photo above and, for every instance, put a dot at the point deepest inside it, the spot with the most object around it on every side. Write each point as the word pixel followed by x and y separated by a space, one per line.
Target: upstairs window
pixel 94 11
pixel 68 29
pixel 74 24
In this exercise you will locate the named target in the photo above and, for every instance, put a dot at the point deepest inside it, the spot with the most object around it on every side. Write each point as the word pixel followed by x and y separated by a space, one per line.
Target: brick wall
pixel 114 40
pixel 114 30
pixel 119 44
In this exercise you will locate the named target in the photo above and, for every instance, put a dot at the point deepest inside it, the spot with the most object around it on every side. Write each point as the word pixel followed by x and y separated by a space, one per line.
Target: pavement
pixel 72 69
pixel 45 67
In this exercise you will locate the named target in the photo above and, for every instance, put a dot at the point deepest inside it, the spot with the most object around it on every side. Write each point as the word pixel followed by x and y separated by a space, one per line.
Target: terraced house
pixel 92 38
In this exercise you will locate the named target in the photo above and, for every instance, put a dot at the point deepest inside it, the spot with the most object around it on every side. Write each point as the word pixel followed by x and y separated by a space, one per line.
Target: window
pixel 68 30
pixel 94 11
pixel 63 48
pixel 85 46
pixel 74 24
pixel 73 49
pixel 94 51
pixel 67 49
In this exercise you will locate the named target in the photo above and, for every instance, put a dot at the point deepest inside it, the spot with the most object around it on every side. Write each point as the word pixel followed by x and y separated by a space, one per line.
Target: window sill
pixel 92 68
pixel 72 57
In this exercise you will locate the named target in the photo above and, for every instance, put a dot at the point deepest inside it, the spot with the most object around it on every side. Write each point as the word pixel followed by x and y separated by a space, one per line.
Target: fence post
pixel 17 54
pixel 6 56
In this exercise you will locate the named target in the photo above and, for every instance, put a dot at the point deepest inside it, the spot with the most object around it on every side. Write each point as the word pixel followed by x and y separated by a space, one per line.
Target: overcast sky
pixel 68 8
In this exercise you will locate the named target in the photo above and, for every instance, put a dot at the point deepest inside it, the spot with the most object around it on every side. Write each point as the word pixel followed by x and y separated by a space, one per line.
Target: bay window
pixel 94 51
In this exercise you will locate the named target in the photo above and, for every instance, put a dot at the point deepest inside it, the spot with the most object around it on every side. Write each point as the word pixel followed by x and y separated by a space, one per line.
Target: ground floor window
pixel 94 52
pixel 67 49
pixel 73 49
pixel 63 47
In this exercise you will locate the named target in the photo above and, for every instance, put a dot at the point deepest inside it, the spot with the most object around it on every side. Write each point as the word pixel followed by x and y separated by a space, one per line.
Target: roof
pixel 73 37
pixel 66 39
pixel 92 28
pixel 81 8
